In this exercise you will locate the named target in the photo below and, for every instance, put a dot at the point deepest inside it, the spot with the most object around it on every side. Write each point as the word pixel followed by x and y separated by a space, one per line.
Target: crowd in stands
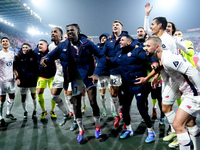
pixel 17 38
pixel 195 38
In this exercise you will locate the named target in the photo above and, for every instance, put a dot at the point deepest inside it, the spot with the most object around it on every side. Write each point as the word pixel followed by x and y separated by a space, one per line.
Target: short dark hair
pixel 5 38
pixel 179 31
pixel 61 31
pixel 140 28
pixel 117 21
pixel 161 20
pixel 44 41
pixel 76 26
pixel 129 37
pixel 26 44
pixel 173 27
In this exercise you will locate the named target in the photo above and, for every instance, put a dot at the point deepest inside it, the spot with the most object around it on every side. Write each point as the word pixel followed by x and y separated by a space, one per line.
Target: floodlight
pixel 36 2
pixel 167 3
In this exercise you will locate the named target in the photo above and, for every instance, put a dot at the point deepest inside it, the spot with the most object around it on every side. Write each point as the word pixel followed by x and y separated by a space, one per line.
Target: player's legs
pixel 33 96
pixel 23 92
pixel 180 121
pixel 126 99
pixel 115 83
pixel 53 104
pixel 10 101
pixel 41 85
pixel 68 96
pixel 83 100
pixel 2 101
pixel 186 115
pixel 4 88
pixel 142 105
pixel 77 112
pixel 102 84
pixel 194 133
pixel 92 95
pixel 170 94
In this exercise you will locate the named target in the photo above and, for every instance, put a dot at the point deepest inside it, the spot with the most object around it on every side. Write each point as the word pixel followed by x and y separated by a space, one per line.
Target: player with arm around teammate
pixel 76 55
pixel 187 80
pixel 26 71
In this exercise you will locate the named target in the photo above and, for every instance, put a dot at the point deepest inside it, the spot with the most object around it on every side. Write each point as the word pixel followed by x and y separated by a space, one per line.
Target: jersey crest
pixel 175 63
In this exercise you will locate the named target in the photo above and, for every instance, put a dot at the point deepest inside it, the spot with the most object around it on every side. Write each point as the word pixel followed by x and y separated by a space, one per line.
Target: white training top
pixel 182 72
pixel 51 47
pixel 168 42
pixel 180 44
pixel 6 66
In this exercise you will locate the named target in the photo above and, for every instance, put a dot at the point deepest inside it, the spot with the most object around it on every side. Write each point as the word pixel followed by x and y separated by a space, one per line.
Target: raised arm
pixel 147 29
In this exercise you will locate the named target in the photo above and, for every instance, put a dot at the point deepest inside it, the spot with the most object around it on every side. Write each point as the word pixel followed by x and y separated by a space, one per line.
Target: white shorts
pixel 115 80
pixel 23 90
pixel 191 105
pixel 170 93
pixel 103 82
pixel 7 87
pixel 58 80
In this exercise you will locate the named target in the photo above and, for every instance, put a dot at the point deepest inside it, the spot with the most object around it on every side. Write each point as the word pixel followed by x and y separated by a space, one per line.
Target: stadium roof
pixel 14 12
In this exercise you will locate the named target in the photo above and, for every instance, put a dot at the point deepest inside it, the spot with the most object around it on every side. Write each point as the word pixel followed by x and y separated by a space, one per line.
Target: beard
pixel 151 54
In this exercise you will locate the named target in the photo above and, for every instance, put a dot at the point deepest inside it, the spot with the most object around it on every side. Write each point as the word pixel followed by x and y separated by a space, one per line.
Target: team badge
pixel 31 59
pixel 129 54
pixel 175 63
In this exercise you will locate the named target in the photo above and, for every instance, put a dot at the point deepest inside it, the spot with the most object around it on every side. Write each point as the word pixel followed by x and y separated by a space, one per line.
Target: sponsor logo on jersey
pixel 129 54
pixel 163 46
pixel 111 41
pixel 31 59
pixel 167 96
pixel 139 94
pixel 64 50
pixel 175 63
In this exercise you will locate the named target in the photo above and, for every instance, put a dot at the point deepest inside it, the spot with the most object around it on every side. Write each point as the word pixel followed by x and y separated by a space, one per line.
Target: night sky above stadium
pixel 96 16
